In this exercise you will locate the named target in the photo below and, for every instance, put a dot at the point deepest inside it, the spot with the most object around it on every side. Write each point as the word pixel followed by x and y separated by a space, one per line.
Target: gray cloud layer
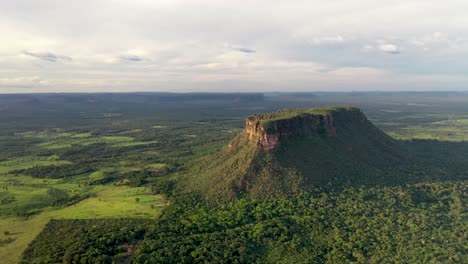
pixel 47 56
pixel 132 58
pixel 246 50
pixel 201 45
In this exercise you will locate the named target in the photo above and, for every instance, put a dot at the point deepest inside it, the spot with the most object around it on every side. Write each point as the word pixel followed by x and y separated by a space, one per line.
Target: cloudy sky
pixel 232 46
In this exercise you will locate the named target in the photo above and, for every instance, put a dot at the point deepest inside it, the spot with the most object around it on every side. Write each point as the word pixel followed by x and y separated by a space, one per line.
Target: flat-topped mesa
pixel 267 130
pixel 289 151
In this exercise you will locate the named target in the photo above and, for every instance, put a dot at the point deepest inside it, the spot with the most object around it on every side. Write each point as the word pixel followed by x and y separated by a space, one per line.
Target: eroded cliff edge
pixel 292 150
pixel 268 130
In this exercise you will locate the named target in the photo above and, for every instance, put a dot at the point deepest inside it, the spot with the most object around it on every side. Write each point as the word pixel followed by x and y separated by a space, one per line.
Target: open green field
pixel 28 162
pixel 110 202
pixel 27 203
pixel 130 150
pixel 446 127
pixel 57 140
pixel 114 202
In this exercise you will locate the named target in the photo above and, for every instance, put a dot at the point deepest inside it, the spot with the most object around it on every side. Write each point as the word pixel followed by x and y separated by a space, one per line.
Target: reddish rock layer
pixel 269 137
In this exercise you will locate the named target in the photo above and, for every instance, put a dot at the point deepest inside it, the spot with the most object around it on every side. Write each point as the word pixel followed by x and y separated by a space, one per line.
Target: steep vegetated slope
pixel 278 154
pixel 286 152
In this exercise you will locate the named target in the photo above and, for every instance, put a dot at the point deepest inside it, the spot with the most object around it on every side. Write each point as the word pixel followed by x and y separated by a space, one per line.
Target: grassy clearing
pixel 452 122
pixel 31 194
pixel 54 141
pixel 442 127
pixel 114 202
pixel 81 135
pixel 443 131
pixel 23 231
pixel 66 142
pixel 137 130
pixel 34 134
pixel 109 202
pixel 27 195
pixel 28 162
pixel 156 166
pixel 96 175
pixel 134 143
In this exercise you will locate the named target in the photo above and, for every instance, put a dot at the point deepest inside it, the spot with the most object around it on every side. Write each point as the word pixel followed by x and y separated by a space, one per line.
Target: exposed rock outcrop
pixel 288 151
pixel 268 131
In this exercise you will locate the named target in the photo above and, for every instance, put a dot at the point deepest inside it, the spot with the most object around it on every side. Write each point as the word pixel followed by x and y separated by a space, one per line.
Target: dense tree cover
pixel 56 171
pixel 404 224
pixel 59 197
pixel 85 241
pixel 357 153
pixel 416 223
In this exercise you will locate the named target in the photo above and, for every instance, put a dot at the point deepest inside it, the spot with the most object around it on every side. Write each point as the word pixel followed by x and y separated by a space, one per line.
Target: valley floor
pixel 116 159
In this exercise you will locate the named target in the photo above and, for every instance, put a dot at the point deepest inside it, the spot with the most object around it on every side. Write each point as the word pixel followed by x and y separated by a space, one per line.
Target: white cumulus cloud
pixel 389 48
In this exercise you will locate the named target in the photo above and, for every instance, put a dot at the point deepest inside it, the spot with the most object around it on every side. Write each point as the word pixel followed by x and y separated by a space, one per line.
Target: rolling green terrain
pixel 422 223
pixel 90 160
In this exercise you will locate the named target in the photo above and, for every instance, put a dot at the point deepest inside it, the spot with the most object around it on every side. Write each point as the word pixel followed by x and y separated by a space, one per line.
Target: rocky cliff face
pixel 268 134
pixel 287 151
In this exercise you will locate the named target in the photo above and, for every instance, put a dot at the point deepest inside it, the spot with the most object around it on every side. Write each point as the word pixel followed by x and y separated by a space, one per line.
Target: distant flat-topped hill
pixel 288 151
pixel 268 129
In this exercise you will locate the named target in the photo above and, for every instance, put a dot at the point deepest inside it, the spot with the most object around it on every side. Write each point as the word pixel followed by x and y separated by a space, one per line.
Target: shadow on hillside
pixel 434 160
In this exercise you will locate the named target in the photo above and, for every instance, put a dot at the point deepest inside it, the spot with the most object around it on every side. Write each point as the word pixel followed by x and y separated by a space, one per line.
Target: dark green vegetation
pixel 55 171
pixel 405 224
pixel 113 155
pixel 86 241
pixel 288 151
pixel 270 119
